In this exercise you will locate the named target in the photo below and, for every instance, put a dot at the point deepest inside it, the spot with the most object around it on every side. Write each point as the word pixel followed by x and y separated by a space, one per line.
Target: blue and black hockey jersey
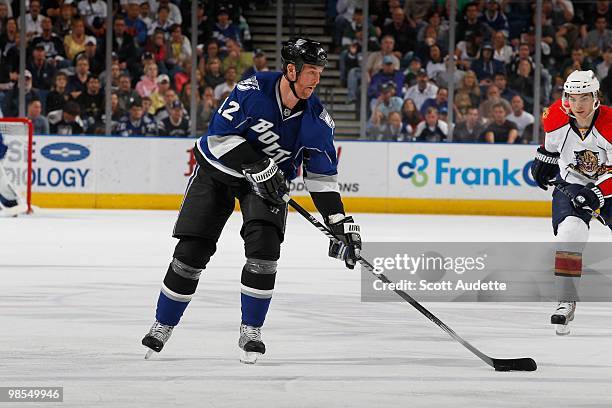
pixel 253 114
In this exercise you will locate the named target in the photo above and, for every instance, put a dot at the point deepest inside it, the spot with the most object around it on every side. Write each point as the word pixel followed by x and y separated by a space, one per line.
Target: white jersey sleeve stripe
pixel 220 145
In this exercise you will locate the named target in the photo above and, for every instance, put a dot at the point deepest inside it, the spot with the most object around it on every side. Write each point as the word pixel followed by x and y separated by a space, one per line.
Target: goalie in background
pixel 11 203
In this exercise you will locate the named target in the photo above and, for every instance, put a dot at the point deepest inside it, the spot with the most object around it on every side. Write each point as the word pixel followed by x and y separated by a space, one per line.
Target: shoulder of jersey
pixel 261 81
pixel 554 117
pixel 603 123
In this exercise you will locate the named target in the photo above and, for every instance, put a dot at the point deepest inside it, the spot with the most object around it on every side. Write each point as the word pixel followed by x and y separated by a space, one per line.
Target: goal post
pixel 17 134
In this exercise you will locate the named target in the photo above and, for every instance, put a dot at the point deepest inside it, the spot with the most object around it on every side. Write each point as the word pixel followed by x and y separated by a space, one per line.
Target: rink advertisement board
pixel 118 172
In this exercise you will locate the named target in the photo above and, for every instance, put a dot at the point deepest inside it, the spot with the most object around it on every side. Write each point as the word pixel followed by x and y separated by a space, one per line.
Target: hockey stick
pixel 499 364
pixel 559 185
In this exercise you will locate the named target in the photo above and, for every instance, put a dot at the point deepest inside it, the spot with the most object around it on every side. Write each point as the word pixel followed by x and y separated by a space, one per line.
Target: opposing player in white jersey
pixel 577 156
pixel 10 202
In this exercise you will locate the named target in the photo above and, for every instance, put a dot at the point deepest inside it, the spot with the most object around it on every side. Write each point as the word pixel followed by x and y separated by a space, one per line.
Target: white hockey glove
pixel 349 247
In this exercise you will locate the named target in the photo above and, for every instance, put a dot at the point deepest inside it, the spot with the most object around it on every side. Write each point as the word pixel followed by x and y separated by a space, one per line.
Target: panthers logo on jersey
pixel 249 83
pixel 587 164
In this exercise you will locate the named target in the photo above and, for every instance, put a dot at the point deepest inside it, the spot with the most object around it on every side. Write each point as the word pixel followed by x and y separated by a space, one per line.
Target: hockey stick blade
pixel 514 364
pixel 499 364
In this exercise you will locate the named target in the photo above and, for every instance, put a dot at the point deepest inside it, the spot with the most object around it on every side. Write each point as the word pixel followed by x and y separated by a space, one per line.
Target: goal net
pixel 17 163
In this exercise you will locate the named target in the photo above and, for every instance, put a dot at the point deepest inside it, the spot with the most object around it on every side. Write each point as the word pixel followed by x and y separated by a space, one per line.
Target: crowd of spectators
pixel 409 59
pixel 150 73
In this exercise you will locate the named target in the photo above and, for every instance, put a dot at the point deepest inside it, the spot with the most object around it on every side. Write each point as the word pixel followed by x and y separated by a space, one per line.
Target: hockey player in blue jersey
pixel 269 126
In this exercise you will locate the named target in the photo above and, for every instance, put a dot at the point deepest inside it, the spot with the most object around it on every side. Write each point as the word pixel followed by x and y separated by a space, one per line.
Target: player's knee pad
pixel 190 258
pixel 262 240
pixel 572 234
pixel 258 277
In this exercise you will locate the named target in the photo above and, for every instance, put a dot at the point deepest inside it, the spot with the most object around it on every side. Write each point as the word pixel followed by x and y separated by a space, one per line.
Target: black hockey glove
pixel 544 167
pixel 267 180
pixel 349 246
pixel 589 197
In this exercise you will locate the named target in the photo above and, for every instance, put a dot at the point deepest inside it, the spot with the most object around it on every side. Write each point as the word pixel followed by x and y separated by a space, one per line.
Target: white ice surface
pixel 78 291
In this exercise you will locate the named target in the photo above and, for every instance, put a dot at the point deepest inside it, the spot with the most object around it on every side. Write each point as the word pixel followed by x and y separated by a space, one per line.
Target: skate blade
pixel 149 354
pixel 562 329
pixel 248 357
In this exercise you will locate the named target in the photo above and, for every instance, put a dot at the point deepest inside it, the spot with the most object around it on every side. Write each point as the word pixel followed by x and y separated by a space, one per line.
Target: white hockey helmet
pixel 581 82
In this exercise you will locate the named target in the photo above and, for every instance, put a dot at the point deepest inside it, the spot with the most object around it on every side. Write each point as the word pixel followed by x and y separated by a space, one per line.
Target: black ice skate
pixel 562 316
pixel 251 346
pixel 156 338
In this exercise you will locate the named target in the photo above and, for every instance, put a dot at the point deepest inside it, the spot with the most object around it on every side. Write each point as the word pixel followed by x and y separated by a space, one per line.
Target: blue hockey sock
pixel 254 310
pixel 169 311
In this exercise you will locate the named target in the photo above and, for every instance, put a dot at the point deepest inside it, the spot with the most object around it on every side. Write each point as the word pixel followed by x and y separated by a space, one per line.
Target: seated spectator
pixel 116 113
pixel 395 130
pixel 148 84
pixel 39 122
pixel 124 46
pixel 11 101
pixel 353 31
pixel 485 66
pixel 162 23
pixel 66 121
pixel 158 96
pixel 350 65
pixel 410 74
pixel 501 82
pixel 502 52
pixel 523 83
pixel 598 39
pixel 471 23
pixel 468 51
pixel 375 59
pixel 603 68
pixel 96 63
pixel 214 76
pixel 77 83
pixel 209 106
pixel 147 105
pixel 63 23
pixel 125 92
pixel 410 114
pixel 145 16
pixel 90 9
pixel 175 13
pixel 524 53
pixel 432 129
pixel 469 130
pixel 212 50
pixel 115 74
pixel 236 58
pixel 260 64
pixel 493 98
pixel 92 104
pixel 401 30
pixel 74 42
pixel 228 85
pixel 422 91
pixel 33 20
pixel 178 48
pixel 224 29
pixel 500 130
pixel 434 31
pixel 51 42
pixel 57 98
pixel 163 112
pixel 386 74
pixel 175 125
pixel 578 61
pixel 134 26
pixel 135 123
pixel 42 71
pixel 435 63
pixel 462 104
pixel 440 102
pixel 495 18
pixel 520 118
pixel 442 78
pixel 382 106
